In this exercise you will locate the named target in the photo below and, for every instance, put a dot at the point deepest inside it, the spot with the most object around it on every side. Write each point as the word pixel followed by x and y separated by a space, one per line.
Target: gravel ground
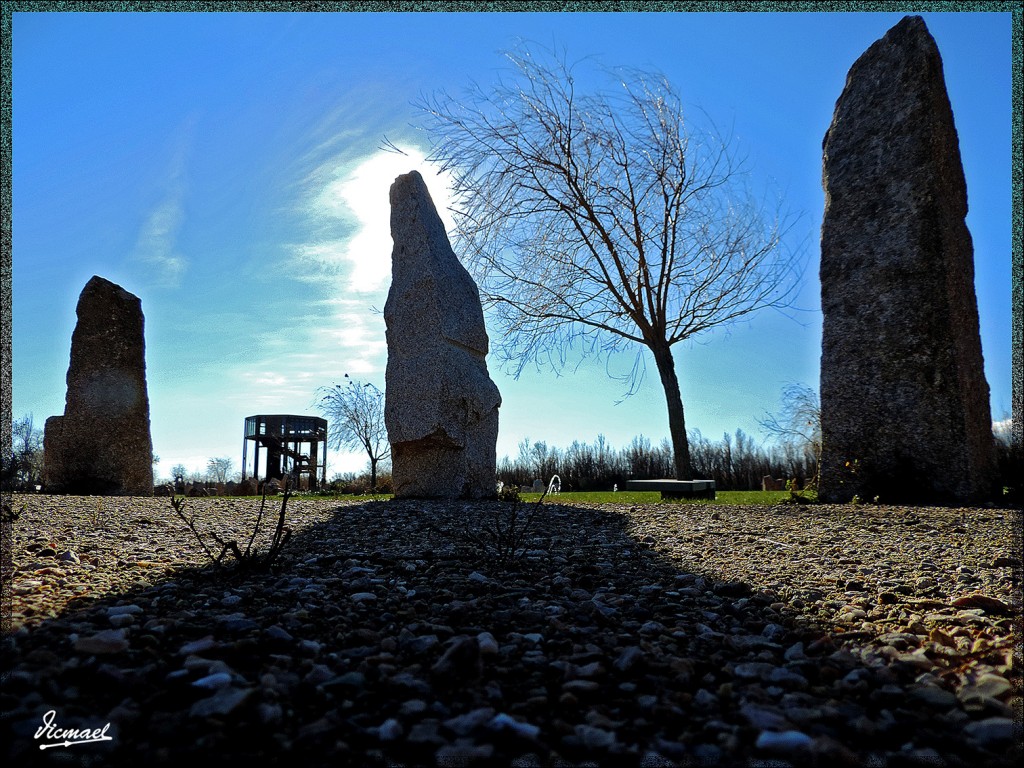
pixel 409 633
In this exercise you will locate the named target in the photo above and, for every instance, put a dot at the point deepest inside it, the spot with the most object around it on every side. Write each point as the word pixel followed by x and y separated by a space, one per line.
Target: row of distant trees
pixel 355 412
pixel 736 462
pixel 218 470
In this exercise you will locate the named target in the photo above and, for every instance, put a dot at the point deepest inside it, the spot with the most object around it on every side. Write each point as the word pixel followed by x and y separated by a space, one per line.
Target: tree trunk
pixel 373 474
pixel 676 418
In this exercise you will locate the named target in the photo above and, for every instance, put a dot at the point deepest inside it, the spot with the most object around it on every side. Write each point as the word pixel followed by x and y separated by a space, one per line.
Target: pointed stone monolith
pixel 904 401
pixel 102 443
pixel 441 407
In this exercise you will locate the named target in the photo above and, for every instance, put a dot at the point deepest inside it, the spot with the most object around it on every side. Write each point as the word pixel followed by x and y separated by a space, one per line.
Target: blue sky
pixel 226 169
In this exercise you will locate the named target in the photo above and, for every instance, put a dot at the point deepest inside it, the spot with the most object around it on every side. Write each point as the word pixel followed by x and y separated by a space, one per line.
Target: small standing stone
pixel 441 407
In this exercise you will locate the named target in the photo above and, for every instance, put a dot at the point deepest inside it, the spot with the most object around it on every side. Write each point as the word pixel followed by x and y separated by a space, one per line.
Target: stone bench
pixel 675 489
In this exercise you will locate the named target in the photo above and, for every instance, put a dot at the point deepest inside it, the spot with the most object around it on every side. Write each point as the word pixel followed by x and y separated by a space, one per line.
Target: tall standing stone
pixel 904 400
pixel 441 407
pixel 102 443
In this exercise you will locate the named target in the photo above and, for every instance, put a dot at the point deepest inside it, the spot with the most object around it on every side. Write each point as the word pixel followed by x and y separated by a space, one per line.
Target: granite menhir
pixel 102 443
pixel 440 407
pixel 904 401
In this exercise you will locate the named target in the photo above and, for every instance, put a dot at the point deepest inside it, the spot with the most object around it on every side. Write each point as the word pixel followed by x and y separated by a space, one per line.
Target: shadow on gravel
pixel 395 633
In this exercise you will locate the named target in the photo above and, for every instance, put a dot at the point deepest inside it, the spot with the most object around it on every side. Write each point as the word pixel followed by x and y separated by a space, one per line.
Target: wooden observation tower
pixel 295 446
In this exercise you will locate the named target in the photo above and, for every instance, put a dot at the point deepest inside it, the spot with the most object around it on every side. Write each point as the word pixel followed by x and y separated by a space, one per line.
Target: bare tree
pixel 217 470
pixel 27 449
pixel 545 459
pixel 598 221
pixel 355 413
pixel 798 423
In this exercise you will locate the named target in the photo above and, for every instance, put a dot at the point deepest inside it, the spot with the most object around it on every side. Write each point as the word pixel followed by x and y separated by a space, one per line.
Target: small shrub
pixel 7 513
pixel 360 486
pixel 384 484
pixel 248 559
pixel 356 488
pixel 96 513
pixel 504 534
pixel 509 493
pixel 797 496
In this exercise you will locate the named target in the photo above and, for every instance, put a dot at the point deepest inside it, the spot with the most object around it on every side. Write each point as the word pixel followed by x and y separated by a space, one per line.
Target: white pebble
pixel 501 721
pixel 390 730
pixel 783 741
pixel 214 681
pixel 105 641
pixel 121 610
pixel 594 738
pixel 201 645
pixel 488 645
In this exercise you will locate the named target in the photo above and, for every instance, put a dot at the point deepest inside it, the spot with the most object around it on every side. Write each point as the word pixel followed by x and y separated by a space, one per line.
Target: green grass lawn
pixel 341 496
pixel 622 497
pixel 654 497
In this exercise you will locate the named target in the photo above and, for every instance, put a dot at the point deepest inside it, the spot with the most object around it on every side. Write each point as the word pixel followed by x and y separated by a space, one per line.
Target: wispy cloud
pixel 156 248
pixel 334 336
pixel 337 336
pixel 1002 430
pixel 355 335
pixel 349 214
pixel 346 214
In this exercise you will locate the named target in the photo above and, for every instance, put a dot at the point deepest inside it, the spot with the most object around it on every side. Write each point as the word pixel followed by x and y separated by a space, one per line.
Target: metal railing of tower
pixel 294 445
